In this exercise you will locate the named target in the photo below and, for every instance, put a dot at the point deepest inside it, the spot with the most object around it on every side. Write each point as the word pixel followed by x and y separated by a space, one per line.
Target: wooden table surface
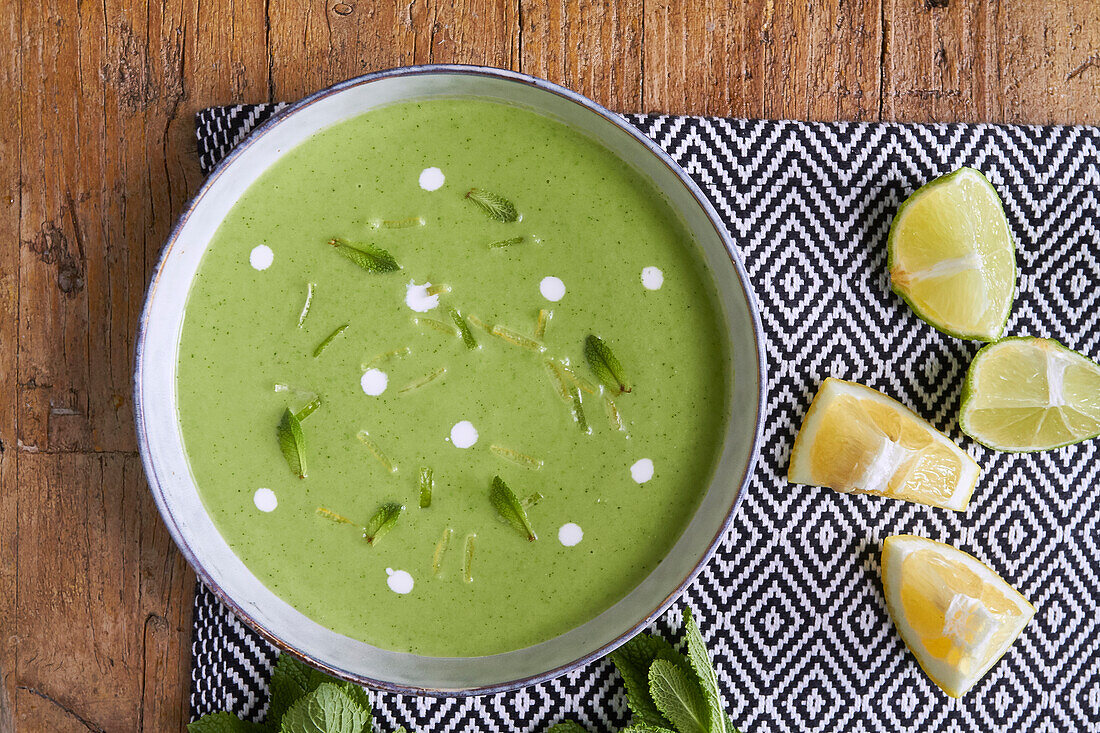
pixel 97 158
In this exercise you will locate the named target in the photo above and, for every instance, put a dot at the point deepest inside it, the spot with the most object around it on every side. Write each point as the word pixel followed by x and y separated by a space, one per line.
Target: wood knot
pixel 343 9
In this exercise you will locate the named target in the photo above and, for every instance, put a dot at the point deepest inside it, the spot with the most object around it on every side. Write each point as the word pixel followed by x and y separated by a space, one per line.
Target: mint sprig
pixel 679 697
pixel 604 365
pixel 382 522
pixel 494 205
pixel 369 257
pixel 292 442
pixel 328 709
pixel 510 508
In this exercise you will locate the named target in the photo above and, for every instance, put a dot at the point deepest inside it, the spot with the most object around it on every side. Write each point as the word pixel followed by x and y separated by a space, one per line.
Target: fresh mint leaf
pixel 678 697
pixel 605 365
pixel 382 521
pixel 292 442
pixel 567 726
pixel 496 206
pixel 329 339
pixel 291 680
pixel 510 508
pixel 633 660
pixel 704 673
pixel 222 723
pixel 328 709
pixel 360 697
pixel 642 728
pixel 367 256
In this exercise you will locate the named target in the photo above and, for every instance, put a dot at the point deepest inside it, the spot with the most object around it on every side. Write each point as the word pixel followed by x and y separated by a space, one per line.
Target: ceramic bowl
pixel 166 464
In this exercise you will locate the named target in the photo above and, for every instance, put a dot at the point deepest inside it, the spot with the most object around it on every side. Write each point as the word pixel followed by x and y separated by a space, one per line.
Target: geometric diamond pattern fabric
pixel 791 606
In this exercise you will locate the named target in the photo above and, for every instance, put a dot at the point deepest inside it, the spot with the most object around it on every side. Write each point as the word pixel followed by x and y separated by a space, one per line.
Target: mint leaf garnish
pixel 223 723
pixel 633 660
pixel 426 484
pixel 292 443
pixel 510 509
pixel 367 256
pixel 501 243
pixel 382 521
pixel 604 365
pixel 678 696
pixel 496 206
pixel 704 672
pixel 467 335
pixel 329 339
pixel 305 308
pixel 328 709
pixel 642 728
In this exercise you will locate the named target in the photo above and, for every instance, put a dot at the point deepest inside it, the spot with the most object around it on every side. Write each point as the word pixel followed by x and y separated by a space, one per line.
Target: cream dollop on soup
pixel 424 334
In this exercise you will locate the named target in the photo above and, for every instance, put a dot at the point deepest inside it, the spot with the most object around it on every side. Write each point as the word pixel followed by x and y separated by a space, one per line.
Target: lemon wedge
pixel 955 614
pixel 951 256
pixel 1030 394
pixel 857 440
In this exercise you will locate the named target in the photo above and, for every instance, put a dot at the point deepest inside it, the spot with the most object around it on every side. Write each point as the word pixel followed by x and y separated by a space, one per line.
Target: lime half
pixel 951 256
pixel 1030 394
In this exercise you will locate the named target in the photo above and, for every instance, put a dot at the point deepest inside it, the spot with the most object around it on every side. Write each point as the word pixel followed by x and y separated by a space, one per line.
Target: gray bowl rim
pixel 619 121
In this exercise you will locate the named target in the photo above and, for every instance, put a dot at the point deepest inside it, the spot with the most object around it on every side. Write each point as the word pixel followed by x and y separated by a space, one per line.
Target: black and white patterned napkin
pixel 792 605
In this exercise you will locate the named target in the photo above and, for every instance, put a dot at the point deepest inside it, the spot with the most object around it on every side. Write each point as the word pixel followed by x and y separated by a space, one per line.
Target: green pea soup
pixel 359 284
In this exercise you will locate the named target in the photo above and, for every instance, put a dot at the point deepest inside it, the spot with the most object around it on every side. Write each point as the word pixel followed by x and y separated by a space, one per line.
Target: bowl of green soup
pixel 448 380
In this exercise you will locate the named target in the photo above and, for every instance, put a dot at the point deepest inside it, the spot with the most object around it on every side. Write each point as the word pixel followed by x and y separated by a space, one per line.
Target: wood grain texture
pixel 97 160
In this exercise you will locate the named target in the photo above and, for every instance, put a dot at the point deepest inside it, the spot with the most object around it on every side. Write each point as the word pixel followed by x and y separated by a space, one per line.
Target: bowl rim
pixel 619 121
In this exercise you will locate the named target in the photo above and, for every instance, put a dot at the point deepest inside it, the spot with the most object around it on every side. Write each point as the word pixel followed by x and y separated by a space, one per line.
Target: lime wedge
pixel 1030 394
pixel 951 256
